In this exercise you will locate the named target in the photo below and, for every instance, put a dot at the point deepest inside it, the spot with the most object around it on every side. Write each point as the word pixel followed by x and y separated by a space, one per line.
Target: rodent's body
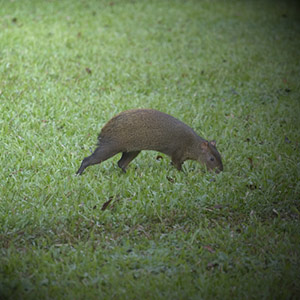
pixel 147 129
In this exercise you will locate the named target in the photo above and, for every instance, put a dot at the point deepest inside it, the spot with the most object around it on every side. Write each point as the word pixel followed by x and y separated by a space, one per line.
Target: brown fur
pixel 147 129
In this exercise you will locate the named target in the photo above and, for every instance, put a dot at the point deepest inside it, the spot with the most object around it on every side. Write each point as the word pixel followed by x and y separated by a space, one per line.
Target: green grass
pixel 229 69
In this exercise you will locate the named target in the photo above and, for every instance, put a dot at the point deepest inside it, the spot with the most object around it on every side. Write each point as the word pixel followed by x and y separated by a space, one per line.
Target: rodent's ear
pixel 204 145
pixel 213 143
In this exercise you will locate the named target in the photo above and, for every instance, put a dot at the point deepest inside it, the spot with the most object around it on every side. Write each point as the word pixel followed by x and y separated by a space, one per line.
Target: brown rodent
pixel 147 129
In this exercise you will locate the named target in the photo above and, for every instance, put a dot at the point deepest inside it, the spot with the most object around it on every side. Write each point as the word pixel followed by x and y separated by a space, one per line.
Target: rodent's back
pixel 146 129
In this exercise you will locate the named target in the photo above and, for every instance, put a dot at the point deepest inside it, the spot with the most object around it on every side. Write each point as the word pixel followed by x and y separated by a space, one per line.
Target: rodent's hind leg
pixel 126 158
pixel 101 154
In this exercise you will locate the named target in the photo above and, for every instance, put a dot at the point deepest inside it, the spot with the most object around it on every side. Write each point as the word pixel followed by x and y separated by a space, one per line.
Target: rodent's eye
pixel 212 158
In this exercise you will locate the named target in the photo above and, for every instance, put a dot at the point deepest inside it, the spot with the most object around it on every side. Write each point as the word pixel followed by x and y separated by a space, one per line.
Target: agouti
pixel 147 129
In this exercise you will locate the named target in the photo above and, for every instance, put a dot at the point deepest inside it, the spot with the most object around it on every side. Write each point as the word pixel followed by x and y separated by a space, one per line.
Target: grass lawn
pixel 229 69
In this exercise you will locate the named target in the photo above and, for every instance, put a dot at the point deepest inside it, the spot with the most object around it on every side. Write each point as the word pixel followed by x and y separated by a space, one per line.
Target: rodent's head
pixel 211 157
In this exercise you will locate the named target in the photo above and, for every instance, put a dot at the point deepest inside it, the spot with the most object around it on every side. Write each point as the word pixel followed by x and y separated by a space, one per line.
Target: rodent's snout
pixel 218 169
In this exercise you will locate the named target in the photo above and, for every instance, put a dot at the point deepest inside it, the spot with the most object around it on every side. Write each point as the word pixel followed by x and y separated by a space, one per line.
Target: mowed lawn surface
pixel 230 70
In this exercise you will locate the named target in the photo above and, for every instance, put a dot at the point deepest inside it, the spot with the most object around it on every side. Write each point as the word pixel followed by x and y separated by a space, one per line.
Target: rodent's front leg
pixel 177 160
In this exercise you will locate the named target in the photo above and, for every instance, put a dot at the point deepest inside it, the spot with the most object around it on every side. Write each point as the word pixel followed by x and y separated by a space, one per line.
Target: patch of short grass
pixel 228 69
